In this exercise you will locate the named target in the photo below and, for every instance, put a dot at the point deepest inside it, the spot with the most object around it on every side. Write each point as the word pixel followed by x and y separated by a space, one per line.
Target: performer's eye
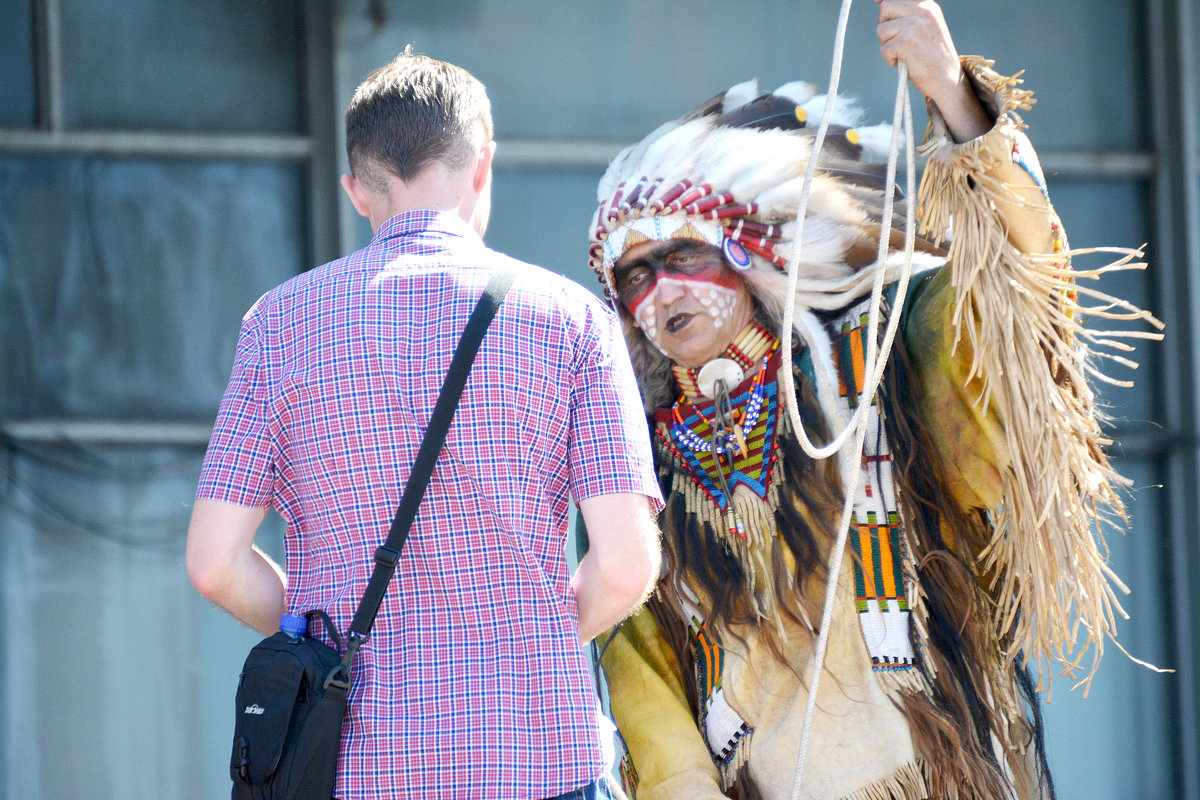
pixel 634 280
pixel 691 260
pixel 683 260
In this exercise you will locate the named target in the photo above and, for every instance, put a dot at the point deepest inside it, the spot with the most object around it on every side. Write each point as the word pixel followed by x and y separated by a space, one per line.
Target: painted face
pixel 684 297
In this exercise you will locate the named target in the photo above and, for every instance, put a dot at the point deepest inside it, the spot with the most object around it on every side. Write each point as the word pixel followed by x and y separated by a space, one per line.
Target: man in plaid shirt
pixel 473 683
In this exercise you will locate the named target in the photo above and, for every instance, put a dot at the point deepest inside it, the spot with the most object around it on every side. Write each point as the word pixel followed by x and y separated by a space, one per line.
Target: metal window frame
pixel 1173 75
pixel 316 151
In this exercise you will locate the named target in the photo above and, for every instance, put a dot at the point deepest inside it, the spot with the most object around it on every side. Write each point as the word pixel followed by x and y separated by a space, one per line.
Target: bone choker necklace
pixel 745 353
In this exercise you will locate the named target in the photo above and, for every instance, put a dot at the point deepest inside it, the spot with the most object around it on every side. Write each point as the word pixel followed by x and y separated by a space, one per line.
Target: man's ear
pixel 359 195
pixel 483 167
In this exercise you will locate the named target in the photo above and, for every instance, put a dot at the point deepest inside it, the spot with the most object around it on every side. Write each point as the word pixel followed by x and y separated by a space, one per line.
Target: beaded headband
pixel 657 228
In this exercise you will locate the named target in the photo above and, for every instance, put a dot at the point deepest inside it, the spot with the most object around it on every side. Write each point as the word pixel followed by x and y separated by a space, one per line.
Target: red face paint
pixel 686 260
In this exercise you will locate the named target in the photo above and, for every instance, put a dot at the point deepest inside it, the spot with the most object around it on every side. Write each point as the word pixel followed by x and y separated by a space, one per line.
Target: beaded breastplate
pixel 745 458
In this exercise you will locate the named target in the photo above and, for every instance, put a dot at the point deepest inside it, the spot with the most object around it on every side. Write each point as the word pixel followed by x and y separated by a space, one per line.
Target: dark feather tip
pixel 768 112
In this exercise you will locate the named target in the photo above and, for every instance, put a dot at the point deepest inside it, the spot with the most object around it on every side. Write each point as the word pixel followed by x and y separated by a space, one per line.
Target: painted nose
pixel 669 290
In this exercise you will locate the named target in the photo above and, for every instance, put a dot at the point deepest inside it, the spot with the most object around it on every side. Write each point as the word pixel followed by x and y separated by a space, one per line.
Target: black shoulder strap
pixel 439 424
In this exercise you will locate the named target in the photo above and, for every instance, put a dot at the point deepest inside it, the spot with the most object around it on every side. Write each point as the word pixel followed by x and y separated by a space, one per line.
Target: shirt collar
pixel 425 220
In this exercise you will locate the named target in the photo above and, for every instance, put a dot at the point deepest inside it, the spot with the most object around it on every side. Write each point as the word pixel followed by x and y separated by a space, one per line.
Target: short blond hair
pixel 411 113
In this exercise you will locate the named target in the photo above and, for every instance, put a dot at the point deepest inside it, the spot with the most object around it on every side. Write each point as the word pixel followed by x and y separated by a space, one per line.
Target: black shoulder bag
pixel 292 693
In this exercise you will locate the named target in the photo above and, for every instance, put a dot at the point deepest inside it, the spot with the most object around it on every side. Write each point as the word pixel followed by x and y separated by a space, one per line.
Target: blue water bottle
pixel 294 625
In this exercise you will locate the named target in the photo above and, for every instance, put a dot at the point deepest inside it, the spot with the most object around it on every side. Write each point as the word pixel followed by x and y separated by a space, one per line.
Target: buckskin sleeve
pixel 1003 359
pixel 649 706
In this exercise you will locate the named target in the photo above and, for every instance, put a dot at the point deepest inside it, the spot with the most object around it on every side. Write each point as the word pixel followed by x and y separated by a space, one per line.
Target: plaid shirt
pixel 473 683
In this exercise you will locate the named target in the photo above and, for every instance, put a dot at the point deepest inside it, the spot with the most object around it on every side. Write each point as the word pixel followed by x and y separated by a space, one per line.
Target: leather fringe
pixel 907 783
pixel 1019 312
pixel 911 680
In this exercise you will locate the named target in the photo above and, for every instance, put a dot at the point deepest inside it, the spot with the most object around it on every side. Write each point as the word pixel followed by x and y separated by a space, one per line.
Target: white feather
pixel 739 94
pixel 825 244
pixel 761 176
pixel 846 111
pixel 799 92
pixel 825 197
pixel 877 139
pixel 627 162
pixel 673 154
pixel 734 154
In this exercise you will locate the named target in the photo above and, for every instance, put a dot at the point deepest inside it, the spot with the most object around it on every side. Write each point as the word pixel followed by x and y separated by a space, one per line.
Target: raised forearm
pixel 915 32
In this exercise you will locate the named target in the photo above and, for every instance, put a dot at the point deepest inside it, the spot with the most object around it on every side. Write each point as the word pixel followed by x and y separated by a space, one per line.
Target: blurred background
pixel 162 164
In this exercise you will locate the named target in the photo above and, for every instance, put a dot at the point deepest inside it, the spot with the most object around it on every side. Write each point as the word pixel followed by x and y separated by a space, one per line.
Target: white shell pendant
pixel 719 369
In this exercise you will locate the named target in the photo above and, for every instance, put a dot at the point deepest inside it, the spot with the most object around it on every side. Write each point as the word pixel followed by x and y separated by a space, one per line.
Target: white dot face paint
pixel 711 314
pixel 719 301
pixel 646 316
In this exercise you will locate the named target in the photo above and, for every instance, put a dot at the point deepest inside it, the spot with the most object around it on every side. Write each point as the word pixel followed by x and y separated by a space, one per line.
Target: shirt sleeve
pixel 609 450
pixel 237 466
pixel 649 704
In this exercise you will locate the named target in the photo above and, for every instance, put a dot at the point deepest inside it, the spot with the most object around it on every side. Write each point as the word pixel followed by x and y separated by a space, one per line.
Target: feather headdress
pixel 733 168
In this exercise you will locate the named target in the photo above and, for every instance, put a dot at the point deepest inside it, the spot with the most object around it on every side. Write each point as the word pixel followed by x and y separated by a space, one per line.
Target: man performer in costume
pixel 971 552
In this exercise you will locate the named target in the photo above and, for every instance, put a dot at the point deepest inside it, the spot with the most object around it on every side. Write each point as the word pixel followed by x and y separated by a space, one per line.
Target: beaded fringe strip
pixel 754 549
pixel 741 757
pixel 911 681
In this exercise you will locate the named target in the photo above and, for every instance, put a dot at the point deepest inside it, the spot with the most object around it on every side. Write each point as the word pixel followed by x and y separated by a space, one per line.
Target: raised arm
pixel 1002 356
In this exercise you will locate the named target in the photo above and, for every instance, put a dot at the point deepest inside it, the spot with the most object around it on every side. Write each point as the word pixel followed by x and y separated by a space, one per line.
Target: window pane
pixel 196 66
pixel 1115 743
pixel 542 216
pixel 122 283
pixel 17 83
pixel 137 682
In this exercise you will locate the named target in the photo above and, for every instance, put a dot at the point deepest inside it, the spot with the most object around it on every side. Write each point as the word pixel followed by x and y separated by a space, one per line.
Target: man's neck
pixel 435 189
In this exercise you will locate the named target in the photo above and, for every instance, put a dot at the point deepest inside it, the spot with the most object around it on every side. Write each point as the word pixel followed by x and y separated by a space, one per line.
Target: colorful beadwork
pixel 721 726
pixel 876 531
pixel 689 434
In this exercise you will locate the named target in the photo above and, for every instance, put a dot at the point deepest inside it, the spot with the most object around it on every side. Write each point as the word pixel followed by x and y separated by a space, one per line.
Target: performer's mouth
pixel 675 323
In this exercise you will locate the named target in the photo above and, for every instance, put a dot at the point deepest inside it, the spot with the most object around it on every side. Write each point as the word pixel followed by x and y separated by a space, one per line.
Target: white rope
pixel 789 305
pixel 874 361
